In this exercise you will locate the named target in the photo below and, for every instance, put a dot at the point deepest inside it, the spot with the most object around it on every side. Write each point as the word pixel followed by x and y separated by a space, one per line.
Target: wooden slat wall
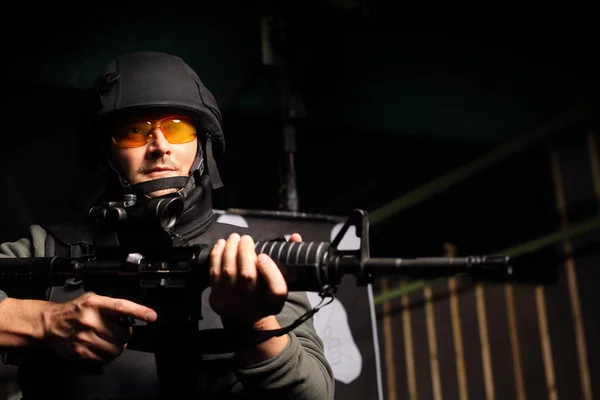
pixel 508 341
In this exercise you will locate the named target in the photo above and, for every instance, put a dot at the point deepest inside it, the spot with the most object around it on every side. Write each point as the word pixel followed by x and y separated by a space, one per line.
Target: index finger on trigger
pixel 122 307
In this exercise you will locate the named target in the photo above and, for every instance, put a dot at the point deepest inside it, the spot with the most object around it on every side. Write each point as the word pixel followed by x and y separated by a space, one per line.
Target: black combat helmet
pixel 153 79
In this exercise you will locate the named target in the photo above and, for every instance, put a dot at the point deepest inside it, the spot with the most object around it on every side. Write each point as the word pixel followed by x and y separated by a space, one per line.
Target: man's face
pixel 146 147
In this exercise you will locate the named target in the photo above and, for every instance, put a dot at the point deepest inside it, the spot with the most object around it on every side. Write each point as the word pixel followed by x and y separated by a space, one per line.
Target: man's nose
pixel 158 142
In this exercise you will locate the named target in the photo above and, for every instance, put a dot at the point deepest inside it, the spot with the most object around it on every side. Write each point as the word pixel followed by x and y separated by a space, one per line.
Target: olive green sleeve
pixel 31 246
pixel 301 370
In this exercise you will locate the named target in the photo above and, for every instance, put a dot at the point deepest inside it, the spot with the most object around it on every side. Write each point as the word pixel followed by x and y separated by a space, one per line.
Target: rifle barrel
pixel 420 267
pixel 311 265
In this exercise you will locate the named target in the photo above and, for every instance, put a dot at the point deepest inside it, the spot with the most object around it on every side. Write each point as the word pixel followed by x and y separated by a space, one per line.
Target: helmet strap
pixel 185 184
pixel 213 170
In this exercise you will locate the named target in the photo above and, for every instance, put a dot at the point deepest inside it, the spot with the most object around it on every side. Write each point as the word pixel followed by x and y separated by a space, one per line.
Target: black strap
pixel 160 184
pixel 73 241
pixel 213 170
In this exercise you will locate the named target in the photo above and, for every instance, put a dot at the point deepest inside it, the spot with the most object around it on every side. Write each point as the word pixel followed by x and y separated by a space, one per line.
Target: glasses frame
pixel 154 124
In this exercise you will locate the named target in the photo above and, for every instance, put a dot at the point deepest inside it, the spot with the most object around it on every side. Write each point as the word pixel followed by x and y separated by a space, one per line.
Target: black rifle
pixel 155 267
pixel 148 264
pixel 156 259
pixel 159 269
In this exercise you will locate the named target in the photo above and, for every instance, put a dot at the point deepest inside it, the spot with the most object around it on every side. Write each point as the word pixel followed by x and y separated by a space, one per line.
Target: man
pixel 158 130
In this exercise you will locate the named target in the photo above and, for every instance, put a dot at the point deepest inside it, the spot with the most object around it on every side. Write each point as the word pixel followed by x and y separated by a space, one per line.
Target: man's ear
pixel 111 165
pixel 109 160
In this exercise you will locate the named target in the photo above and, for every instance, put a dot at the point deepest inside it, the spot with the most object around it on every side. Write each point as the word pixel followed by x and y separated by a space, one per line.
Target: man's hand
pixel 91 327
pixel 245 287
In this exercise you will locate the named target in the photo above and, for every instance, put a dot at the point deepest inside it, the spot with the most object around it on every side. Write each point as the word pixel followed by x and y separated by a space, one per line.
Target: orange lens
pixel 137 133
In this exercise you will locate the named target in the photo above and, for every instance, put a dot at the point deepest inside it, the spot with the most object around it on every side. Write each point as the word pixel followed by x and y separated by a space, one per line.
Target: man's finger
pixel 247 263
pixel 114 331
pixel 122 307
pixel 106 349
pixel 295 237
pixel 229 260
pixel 272 276
pixel 277 290
pixel 216 256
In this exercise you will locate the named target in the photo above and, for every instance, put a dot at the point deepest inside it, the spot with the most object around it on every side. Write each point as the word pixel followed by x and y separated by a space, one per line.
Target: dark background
pixel 395 96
